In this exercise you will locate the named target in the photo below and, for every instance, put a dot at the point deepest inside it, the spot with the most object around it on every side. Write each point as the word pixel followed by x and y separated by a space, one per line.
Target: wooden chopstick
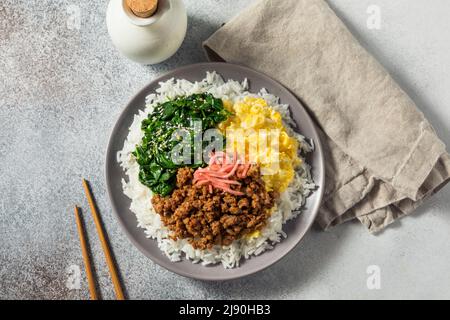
pixel 105 246
pixel 84 251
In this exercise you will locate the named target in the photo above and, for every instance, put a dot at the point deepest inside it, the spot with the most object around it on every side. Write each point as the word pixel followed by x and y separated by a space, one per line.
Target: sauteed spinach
pixel 157 170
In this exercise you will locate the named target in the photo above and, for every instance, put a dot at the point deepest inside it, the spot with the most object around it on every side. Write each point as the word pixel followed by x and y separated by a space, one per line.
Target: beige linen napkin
pixel 383 157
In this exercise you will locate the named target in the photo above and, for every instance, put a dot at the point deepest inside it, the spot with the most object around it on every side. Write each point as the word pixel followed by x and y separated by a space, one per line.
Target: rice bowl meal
pixel 215 171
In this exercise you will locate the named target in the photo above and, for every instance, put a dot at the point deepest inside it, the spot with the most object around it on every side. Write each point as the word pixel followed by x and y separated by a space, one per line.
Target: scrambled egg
pixel 255 234
pixel 256 127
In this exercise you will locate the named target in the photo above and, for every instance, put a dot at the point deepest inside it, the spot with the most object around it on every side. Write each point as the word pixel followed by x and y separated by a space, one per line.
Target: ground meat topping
pixel 214 218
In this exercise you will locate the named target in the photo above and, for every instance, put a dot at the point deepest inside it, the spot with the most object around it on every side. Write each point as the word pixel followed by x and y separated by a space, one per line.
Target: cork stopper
pixel 143 8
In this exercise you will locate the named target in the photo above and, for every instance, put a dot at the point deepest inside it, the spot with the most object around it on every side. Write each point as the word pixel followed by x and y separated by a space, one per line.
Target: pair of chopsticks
pixel 87 262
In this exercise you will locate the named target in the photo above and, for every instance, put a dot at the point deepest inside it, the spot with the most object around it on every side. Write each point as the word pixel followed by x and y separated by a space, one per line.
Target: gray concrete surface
pixel 61 90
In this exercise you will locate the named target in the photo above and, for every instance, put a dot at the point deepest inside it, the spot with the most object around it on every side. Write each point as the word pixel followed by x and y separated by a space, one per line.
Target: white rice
pixel 287 207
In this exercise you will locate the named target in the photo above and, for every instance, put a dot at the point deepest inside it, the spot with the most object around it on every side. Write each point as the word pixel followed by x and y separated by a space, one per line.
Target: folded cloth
pixel 383 157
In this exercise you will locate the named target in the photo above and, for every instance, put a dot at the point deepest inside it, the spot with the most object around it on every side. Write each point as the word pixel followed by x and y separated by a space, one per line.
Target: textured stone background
pixel 61 91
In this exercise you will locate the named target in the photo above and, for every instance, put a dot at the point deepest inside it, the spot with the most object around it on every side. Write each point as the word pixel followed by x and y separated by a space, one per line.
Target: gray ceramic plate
pixel 295 229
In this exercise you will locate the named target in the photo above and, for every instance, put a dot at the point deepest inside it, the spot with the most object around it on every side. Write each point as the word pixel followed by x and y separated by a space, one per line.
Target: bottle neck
pixel 163 6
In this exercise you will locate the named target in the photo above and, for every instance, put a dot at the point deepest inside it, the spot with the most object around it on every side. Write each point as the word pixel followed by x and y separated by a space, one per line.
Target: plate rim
pixel 318 147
